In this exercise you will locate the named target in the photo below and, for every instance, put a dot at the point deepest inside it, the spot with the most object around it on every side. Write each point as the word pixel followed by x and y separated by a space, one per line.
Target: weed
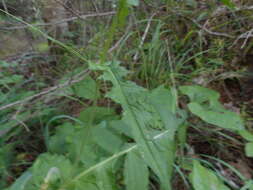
pixel 139 117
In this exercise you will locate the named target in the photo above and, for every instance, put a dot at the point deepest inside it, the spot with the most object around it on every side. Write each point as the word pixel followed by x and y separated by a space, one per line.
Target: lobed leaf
pixel 146 120
pixel 205 104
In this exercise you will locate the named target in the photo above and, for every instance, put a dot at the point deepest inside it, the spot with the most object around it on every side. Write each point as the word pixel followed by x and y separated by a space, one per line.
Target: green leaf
pixel 246 135
pixel 182 135
pixel 165 104
pixel 5 64
pixel 224 119
pixel 146 120
pixel 76 142
pixel 105 178
pixel 106 138
pixel 248 185
pixel 11 79
pixel 21 182
pixel 6 156
pixel 229 3
pixel 249 149
pixel 205 104
pixel 138 118
pixel 3 97
pixel 89 184
pixel 95 114
pixel 42 47
pixel 6 159
pixel 200 94
pixel 58 142
pixel 135 172
pixel 7 126
pixel 115 68
pixel 49 171
pixel 121 127
pixel 120 18
pixel 192 3
pixel 205 179
pixel 133 2
pixel 87 88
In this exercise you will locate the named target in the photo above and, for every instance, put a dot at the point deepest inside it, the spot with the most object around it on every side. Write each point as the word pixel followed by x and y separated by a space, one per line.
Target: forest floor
pixel 190 44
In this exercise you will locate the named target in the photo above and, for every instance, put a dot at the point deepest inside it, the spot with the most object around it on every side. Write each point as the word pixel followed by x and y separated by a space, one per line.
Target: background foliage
pixel 126 94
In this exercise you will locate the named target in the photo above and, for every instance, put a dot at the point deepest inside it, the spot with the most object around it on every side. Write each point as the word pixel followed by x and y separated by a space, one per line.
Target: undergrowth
pixel 140 108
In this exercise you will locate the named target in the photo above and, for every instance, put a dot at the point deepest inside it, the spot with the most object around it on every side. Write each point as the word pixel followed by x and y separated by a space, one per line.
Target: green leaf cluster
pixel 106 150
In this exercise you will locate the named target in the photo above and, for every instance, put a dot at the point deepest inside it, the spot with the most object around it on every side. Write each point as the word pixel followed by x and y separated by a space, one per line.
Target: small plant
pixel 134 122
pixel 134 146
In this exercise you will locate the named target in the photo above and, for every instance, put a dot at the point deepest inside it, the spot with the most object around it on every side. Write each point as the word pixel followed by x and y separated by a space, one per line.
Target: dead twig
pixel 244 8
pixel 69 9
pixel 116 45
pixel 83 17
pixel 70 82
pixel 144 36
pixel 211 32
pixel 22 123
pixel 245 35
